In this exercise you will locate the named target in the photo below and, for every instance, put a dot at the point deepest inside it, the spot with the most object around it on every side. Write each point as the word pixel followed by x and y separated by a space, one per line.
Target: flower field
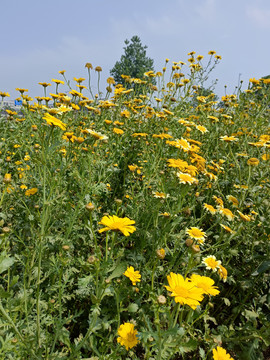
pixel 135 223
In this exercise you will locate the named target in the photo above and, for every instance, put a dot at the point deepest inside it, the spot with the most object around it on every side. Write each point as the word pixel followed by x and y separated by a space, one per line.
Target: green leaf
pixel 118 271
pixel 226 301
pixel 3 293
pixel 5 262
pixel 132 308
pixel 64 336
pixel 262 268
pixel 202 353
pixel 189 346
pixel 250 315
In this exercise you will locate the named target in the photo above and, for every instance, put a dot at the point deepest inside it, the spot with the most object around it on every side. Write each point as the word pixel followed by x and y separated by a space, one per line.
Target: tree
pixel 133 63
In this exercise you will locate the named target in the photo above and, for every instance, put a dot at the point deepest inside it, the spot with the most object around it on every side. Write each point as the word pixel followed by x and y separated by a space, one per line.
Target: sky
pixel 40 38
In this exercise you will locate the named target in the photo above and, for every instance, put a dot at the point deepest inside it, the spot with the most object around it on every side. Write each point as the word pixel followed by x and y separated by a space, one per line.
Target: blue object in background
pixel 18 102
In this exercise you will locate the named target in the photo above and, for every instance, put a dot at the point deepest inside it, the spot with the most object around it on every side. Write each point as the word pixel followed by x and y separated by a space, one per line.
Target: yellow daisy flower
pixel 197 234
pixel 127 335
pixel 184 290
pixel 134 276
pixel 114 223
pixel 205 283
pixel 220 354
pixel 211 263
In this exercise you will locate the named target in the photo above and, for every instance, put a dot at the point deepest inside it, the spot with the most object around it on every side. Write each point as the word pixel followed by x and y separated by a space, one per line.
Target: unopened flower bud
pixel 161 254
pixel 118 201
pixel 7 178
pixel 161 300
pixel 89 207
pixel 189 242
pixel 195 249
pixel 92 259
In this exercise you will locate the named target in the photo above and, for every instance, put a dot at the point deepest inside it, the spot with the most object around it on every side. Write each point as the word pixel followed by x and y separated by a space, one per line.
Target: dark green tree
pixel 133 63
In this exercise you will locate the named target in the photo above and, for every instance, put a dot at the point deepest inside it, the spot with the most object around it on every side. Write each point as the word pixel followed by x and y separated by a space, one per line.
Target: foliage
pixel 134 63
pixel 109 207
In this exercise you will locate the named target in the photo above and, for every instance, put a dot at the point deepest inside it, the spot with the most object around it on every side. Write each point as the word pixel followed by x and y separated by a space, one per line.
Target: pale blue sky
pixel 39 38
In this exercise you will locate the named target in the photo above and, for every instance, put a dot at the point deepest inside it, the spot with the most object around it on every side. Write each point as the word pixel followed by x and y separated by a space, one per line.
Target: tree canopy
pixel 134 62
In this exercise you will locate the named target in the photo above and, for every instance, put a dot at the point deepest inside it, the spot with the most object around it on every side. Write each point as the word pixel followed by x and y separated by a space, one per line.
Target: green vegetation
pixel 136 227
pixel 134 63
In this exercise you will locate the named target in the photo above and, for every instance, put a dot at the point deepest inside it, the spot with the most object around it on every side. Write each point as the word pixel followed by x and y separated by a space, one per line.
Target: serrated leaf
pixel 118 271
pixel 189 346
pixel 83 282
pixel 64 336
pixel 3 293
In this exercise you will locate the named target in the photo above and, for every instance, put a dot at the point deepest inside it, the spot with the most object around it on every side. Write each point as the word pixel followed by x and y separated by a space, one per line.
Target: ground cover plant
pixel 135 224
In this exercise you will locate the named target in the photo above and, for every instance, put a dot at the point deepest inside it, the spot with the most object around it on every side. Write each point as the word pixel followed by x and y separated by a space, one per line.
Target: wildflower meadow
pixel 134 221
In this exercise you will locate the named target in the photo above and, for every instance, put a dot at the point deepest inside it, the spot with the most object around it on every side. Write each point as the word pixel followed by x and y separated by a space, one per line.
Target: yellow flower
pixel 139 134
pixel 233 200
pixel 58 81
pixel 125 114
pixel 177 163
pixel 118 131
pixel 115 223
pixel 197 234
pixel 186 178
pixel 160 195
pixel 180 144
pixel 265 157
pixel 127 335
pixel 253 161
pixel 7 178
pixel 205 283
pixel 161 253
pixel 201 128
pixel 226 212
pixel 32 191
pixel 228 138
pixel 21 90
pixel 80 80
pixel 4 94
pixel 44 84
pixel 134 276
pixel 220 354
pixel 223 273
pixel 97 135
pixel 51 120
pixel 184 290
pixel 244 217
pixel 209 208
pixel 227 228
pixel 211 262
pixel 162 136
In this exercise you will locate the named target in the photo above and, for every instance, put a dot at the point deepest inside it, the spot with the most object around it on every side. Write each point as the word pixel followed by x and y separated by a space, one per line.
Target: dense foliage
pixel 137 226
pixel 134 63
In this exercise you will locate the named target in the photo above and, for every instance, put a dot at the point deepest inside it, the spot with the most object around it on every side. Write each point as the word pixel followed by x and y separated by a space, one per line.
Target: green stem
pixel 106 248
pixel 176 315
